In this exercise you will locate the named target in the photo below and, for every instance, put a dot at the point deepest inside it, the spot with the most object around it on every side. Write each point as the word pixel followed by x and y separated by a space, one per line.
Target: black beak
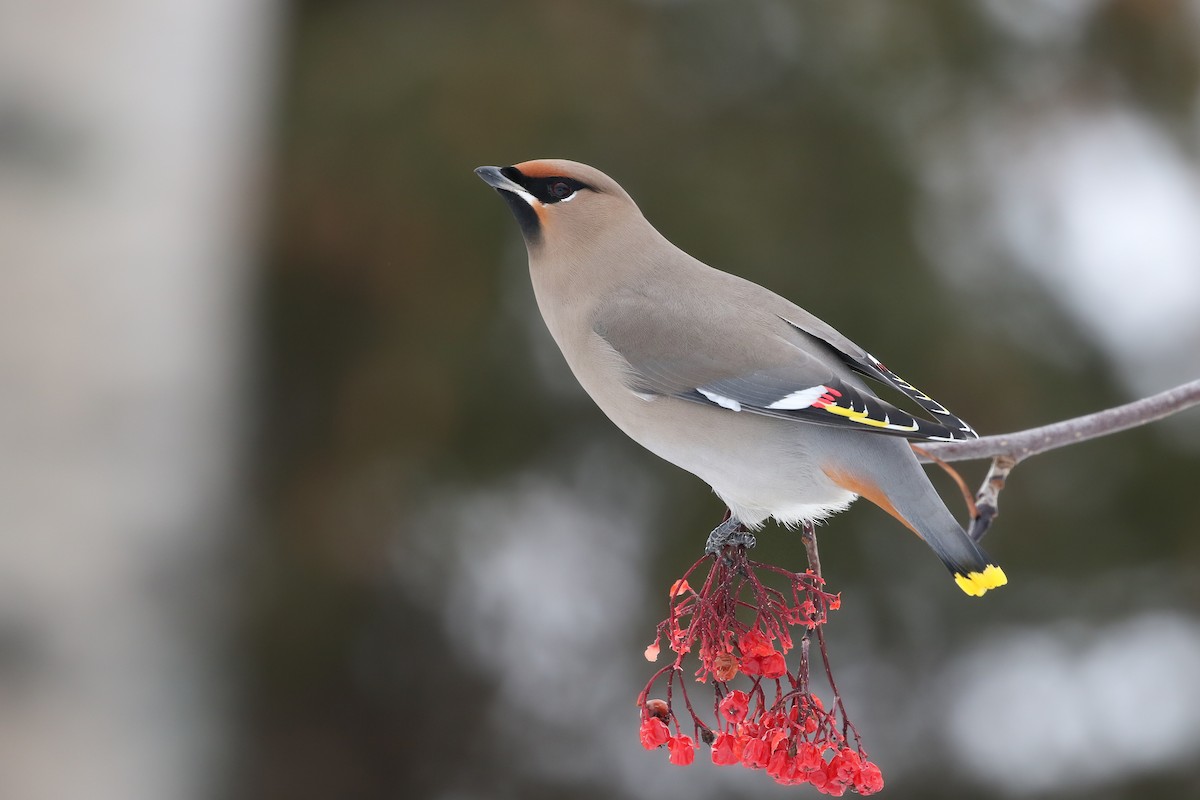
pixel 519 200
pixel 494 178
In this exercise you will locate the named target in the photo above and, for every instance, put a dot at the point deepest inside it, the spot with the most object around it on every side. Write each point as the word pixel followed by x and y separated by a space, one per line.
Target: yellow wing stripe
pixel 863 417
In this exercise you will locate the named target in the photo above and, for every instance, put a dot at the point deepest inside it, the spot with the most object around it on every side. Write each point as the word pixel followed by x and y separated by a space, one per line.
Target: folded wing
pixel 749 361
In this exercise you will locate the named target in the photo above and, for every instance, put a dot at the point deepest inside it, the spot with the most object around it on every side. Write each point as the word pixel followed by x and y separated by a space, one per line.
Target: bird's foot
pixel 731 532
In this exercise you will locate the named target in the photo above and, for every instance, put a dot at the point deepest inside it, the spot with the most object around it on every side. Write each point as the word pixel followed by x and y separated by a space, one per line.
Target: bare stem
pixel 987 502
pixel 1023 444
pixel 808 534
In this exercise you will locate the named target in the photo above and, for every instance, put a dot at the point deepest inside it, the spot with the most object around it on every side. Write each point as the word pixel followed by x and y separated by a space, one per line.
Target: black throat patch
pixel 527 218
pixel 547 190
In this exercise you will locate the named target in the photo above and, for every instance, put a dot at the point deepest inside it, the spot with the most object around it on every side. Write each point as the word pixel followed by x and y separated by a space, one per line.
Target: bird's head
pixel 560 203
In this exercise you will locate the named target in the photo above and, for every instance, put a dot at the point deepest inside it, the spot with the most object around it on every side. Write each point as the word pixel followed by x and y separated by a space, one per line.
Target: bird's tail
pixel 973 570
pixel 917 504
pixel 925 513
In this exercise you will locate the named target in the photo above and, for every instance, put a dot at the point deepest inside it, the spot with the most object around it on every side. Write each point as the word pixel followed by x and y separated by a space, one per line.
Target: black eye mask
pixel 549 190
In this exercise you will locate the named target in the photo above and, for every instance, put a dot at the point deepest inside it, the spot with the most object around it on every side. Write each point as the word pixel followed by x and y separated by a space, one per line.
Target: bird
pixel 722 377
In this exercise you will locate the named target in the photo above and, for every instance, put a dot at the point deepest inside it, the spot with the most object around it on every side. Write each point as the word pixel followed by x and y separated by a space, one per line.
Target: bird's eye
pixel 560 190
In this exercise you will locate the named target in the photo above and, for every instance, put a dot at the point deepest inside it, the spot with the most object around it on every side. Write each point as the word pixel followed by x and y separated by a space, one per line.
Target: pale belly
pixel 760 467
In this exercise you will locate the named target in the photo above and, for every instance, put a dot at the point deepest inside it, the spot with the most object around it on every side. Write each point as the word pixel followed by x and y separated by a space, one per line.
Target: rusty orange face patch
pixel 536 169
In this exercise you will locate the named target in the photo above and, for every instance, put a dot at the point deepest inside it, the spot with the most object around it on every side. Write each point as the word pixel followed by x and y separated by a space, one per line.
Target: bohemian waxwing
pixel 749 392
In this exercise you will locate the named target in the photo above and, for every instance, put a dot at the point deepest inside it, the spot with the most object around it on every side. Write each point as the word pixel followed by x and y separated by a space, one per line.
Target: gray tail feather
pixel 973 570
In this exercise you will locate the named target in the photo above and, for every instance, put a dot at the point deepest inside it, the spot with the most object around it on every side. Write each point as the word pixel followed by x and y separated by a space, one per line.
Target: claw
pixel 731 532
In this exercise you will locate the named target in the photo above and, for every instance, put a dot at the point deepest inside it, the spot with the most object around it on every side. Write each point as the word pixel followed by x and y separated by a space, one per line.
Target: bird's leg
pixel 729 532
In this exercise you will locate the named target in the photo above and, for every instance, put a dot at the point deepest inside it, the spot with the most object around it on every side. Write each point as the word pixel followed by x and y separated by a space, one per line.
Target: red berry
pixel 653 733
pixel 725 750
pixel 869 779
pixel 773 665
pixel 735 705
pixel 757 754
pixel 656 707
pixel 808 756
pixel 724 667
pixel 781 766
pixel 683 750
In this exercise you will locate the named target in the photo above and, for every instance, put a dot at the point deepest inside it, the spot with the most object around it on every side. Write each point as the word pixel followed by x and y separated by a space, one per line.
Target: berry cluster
pixel 738 625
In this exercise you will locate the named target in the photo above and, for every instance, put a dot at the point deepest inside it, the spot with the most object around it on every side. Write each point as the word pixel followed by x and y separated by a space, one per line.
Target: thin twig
pixel 987 502
pixel 808 535
pixel 1030 442
pixel 1009 449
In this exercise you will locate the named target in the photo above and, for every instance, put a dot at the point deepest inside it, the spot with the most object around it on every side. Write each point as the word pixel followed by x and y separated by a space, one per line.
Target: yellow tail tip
pixel 977 583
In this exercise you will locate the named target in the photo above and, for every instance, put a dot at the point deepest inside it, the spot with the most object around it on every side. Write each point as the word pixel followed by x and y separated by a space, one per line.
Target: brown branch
pixel 808 535
pixel 1009 449
pixel 987 502
pixel 1028 443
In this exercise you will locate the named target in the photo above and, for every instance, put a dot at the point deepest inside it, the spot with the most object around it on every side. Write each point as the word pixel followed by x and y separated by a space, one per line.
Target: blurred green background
pixel 478 555
pixel 442 562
